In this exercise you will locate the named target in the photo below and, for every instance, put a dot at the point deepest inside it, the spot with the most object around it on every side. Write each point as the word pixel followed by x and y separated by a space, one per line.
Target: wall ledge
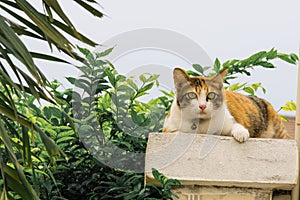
pixel 208 160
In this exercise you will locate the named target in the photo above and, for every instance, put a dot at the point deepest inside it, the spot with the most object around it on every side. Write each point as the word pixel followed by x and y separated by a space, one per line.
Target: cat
pixel 202 106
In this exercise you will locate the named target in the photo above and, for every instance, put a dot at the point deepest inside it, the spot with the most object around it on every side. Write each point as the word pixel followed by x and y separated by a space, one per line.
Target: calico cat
pixel 202 106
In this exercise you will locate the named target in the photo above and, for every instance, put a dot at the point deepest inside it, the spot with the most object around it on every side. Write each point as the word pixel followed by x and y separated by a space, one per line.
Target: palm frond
pixel 21 78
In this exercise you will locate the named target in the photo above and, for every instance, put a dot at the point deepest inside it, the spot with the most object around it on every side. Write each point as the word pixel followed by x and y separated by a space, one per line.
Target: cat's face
pixel 198 97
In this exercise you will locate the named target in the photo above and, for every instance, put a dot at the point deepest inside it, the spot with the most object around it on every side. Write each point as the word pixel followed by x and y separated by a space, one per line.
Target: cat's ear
pixel 221 75
pixel 180 77
pixel 219 78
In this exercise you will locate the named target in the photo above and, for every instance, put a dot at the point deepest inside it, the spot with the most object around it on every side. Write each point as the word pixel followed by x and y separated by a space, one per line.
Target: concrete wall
pixel 220 165
pixel 224 193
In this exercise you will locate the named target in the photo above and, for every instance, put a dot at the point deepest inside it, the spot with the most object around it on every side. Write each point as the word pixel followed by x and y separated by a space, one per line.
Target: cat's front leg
pixel 239 132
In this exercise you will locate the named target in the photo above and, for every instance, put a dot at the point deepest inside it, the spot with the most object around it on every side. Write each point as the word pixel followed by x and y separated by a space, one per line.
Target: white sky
pixel 224 29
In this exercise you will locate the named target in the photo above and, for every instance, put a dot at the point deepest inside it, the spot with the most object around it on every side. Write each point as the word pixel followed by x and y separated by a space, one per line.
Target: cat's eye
pixel 191 95
pixel 211 96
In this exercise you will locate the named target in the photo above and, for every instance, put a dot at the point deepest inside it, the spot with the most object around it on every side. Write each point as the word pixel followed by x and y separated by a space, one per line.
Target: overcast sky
pixel 224 29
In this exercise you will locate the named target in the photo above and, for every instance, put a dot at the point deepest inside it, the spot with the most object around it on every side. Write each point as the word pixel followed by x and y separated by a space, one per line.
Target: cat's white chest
pixel 220 123
pixel 207 127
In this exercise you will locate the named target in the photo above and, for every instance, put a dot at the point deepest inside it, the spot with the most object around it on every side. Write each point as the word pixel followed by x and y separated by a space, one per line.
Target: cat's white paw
pixel 240 133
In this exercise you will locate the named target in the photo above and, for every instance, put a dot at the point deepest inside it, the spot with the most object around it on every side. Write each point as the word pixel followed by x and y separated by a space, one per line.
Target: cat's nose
pixel 202 107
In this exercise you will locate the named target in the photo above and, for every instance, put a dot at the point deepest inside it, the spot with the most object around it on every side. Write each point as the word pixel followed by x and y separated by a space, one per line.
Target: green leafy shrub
pixel 244 66
pixel 108 117
pixel 111 121
pixel 164 190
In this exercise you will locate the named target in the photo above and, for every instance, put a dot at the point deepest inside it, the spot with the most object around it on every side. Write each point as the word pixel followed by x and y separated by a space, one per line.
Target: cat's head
pixel 200 96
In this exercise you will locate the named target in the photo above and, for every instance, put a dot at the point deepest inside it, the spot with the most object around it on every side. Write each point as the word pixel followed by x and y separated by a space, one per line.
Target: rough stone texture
pixel 224 193
pixel 282 197
pixel 221 161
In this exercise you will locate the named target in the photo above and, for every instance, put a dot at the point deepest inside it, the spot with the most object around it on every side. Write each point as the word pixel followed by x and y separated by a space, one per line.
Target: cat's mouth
pixel 202 112
pixel 199 112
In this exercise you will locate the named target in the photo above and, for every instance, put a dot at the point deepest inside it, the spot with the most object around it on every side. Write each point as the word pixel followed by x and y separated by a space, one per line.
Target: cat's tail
pixel 279 128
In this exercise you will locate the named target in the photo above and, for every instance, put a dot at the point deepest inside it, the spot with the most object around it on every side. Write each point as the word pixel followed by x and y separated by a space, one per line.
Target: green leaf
pixel 283 118
pixel 85 129
pixel 47 57
pixel 71 80
pixel 89 8
pixel 257 57
pixel 17 47
pixel 146 88
pixel 111 77
pixel 156 174
pixel 51 147
pixel 255 86
pixel 140 119
pixel 26 147
pixel 87 70
pixel 47 112
pixel 76 34
pixel 217 65
pixel 265 64
pixel 104 53
pixel 101 87
pixel 18 173
pixel 286 58
pixel 153 78
pixel 289 106
pixel 198 68
pixel 84 51
pixel 83 86
pixel 271 54
pixel 192 73
pixel 249 90
pixel 50 112
pixel 44 25
pixel 230 63
pixel 16 185
pixel 131 82
pixel 236 86
pixel 56 7
pixel 294 57
pixel 114 98
pixel 143 78
pixel 64 139
pixel 120 78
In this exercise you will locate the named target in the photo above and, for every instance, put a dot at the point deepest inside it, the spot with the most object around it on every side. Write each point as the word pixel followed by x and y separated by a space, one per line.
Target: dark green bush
pixel 101 120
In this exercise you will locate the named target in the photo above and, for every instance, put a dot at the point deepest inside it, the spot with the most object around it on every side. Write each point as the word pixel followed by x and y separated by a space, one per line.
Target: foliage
pixel 108 103
pixel 14 53
pixel 113 125
pixel 235 66
pixel 19 19
pixel 79 124
pixel 165 183
pixel 289 106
